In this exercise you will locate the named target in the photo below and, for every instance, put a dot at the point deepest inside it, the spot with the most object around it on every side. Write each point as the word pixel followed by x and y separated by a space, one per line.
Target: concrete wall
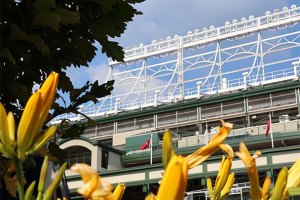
pixel 114 161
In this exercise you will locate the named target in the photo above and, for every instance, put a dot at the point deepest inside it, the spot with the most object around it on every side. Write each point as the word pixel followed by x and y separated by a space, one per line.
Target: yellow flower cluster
pixel 28 139
pixel 224 181
pixel 94 187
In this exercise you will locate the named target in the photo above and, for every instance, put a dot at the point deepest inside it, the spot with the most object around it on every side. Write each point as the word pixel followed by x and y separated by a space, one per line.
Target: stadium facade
pixel 246 72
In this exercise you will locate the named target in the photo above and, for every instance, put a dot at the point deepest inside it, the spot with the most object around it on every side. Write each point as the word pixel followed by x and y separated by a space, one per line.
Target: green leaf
pixel 18 89
pixel 86 49
pixel 44 5
pixel 113 50
pixel 17 34
pixel 65 83
pixel 67 17
pixel 72 131
pixel 46 18
pixel 57 152
pixel 5 53
pixel 103 89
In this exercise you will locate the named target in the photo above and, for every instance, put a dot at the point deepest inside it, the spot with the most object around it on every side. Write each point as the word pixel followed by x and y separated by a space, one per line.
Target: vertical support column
pixel 180 68
pixel 245 74
pixel 246 108
pixel 145 81
pixel 224 84
pixel 156 97
pixel 261 54
pixel 297 93
pixel 117 105
pixel 79 110
pixel 295 66
pixel 199 84
pixel 220 64
pixel 110 74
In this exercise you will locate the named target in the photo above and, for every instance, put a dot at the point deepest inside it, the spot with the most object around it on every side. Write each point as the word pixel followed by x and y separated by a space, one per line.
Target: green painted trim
pixel 213 159
pixel 204 167
pixel 232 142
pixel 198 102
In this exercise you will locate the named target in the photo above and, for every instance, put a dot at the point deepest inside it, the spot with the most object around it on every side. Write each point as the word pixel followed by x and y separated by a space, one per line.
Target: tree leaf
pixel 57 152
pixel 17 34
pixel 67 17
pixel 5 53
pixel 46 18
pixel 65 83
pixel 44 5
pixel 112 49
pixel 72 131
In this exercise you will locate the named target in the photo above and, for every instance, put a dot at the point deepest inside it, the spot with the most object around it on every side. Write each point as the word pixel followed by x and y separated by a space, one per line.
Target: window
pixel 104 159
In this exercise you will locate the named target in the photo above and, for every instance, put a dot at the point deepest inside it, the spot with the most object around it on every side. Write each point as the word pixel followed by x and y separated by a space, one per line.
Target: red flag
pixel 146 145
pixel 268 127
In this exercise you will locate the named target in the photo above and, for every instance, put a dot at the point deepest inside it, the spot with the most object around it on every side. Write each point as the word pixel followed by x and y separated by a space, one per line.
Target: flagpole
pixel 150 148
pixel 271 131
pixel 208 135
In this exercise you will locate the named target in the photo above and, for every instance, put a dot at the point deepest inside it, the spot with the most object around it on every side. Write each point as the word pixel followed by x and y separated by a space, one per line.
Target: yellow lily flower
pixel 175 179
pixel 250 162
pixel 94 187
pixel 209 187
pixel 35 114
pixel 222 177
pixel 119 191
pixel 265 189
pixel 280 185
pixel 150 196
pixel 226 189
pixel 6 145
pixel 294 175
pixel 224 181
pixel 293 179
pixel 204 152
pixel 168 150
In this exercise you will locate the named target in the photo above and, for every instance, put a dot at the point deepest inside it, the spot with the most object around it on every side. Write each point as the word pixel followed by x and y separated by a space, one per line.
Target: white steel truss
pixel 249 53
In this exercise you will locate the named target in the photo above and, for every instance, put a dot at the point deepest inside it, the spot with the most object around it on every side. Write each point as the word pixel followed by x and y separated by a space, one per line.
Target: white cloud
pixel 167 18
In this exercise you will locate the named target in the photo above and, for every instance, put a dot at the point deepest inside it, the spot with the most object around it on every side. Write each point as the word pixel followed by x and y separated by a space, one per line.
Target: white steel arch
pixel 252 52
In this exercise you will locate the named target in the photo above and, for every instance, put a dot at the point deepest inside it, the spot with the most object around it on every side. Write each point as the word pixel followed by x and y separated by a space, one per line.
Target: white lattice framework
pixel 249 53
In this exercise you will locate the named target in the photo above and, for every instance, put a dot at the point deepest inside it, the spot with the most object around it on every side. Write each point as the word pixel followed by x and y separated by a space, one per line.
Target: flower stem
pixel 19 174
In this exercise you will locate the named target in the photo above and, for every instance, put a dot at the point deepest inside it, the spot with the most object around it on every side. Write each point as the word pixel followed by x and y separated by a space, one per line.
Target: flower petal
pixel 174 181
pixel 250 163
pixel 41 139
pixel 294 175
pixel 168 150
pixel 4 135
pixel 28 120
pixel 84 170
pixel 204 152
pixel 266 186
pixel 119 191
pixel 280 184
pixel 11 128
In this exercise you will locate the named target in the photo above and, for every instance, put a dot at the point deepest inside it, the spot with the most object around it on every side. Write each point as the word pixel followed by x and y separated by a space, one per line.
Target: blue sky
pixel 162 18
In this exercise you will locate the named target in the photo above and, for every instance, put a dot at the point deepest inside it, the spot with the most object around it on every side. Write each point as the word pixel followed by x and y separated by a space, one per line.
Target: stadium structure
pixel 245 72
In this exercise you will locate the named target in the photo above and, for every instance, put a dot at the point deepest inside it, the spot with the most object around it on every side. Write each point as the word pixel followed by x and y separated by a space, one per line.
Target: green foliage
pixel 40 36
